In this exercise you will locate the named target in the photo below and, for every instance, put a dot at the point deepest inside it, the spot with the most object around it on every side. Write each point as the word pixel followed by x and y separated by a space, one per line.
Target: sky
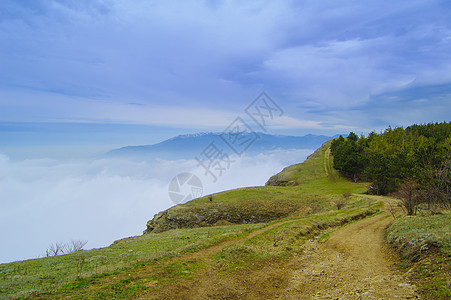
pixel 81 77
pixel 148 70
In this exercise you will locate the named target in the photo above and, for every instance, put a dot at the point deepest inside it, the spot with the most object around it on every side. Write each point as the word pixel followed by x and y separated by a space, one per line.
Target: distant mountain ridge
pixel 188 146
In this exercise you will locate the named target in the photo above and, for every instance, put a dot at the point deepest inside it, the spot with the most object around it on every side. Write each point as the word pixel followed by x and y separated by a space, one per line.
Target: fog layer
pixel 43 201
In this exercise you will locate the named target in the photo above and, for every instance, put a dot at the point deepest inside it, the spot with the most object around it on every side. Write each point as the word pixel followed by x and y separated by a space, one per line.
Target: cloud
pixel 140 49
pixel 184 116
pixel 316 58
pixel 53 108
pixel 44 201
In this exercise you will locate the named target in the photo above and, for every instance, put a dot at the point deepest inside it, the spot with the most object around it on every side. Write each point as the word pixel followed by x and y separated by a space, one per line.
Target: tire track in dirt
pixel 207 252
pixel 208 284
pixel 326 161
pixel 353 263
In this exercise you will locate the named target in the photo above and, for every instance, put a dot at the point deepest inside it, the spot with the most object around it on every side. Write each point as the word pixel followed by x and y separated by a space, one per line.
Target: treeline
pixel 418 156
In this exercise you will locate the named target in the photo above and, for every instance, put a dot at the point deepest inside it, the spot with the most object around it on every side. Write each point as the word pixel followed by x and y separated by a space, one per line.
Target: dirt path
pixel 326 161
pixel 207 252
pixel 353 263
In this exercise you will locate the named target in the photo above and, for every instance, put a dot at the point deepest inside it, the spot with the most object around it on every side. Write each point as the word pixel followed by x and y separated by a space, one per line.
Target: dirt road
pixel 353 263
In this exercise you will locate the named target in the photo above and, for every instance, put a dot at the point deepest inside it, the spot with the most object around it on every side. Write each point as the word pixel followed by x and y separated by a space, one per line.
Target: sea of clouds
pixel 44 201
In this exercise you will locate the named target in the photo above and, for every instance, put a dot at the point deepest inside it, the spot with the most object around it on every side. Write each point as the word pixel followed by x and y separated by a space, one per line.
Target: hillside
pixel 300 240
pixel 311 193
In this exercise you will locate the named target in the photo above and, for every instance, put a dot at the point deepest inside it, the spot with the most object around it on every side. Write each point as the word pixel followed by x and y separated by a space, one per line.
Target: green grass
pixel 310 176
pixel 434 228
pixel 24 277
pixel 429 266
pixel 287 239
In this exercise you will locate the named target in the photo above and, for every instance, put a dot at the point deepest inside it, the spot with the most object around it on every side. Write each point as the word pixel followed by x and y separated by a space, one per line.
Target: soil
pixel 354 262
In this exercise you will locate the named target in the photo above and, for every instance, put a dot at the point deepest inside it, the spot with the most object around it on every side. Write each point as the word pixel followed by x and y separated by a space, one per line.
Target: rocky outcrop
pixel 280 180
pixel 285 178
pixel 181 217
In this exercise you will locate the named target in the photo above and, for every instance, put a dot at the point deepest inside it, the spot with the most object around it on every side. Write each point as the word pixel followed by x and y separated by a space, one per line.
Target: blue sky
pixel 133 72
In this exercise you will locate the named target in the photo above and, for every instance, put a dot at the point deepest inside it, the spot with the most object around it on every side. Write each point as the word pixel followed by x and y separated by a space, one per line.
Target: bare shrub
pixel 55 249
pixel 65 248
pixel 340 203
pixel 436 179
pixel 75 245
pixel 409 196
pixel 277 239
pixel 392 209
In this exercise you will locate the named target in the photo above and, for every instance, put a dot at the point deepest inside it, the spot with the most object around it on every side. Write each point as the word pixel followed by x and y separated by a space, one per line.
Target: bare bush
pixel 340 203
pixel 65 248
pixel 392 209
pixel 409 195
pixel 75 245
pixel 276 239
pixel 437 182
pixel 55 249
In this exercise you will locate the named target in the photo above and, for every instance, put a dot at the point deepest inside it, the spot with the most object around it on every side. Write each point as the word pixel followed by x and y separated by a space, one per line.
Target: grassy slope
pixel 39 274
pixel 434 229
pixel 93 271
pixel 424 243
pixel 314 192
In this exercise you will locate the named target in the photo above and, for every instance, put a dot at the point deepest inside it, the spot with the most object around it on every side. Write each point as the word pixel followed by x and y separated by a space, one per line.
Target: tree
pixel 347 155
pixel 422 152
pixel 409 195
pixel 352 137
pixel 383 171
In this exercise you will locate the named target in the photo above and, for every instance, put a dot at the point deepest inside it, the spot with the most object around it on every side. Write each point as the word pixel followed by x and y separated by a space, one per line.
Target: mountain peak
pixel 187 146
pixel 194 135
